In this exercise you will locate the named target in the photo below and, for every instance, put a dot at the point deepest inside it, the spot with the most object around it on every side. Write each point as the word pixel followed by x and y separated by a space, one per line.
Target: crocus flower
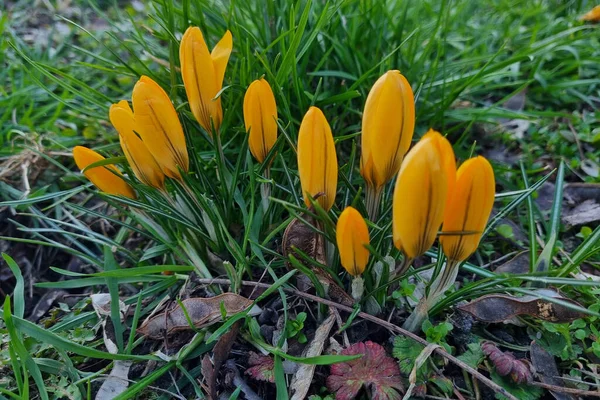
pixel 202 74
pixel 157 123
pixel 144 166
pixel 352 235
pixel 317 161
pixel 468 208
pixel 106 178
pixel 592 16
pixel 260 117
pixel 387 128
pixel 424 181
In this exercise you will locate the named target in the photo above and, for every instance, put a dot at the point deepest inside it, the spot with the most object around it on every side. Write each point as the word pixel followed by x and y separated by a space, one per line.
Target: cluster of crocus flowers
pixel 430 193
pixel 151 135
pixel 203 72
pixel 424 182
pixel 352 237
pixel 387 129
pixel 160 149
pixel 317 160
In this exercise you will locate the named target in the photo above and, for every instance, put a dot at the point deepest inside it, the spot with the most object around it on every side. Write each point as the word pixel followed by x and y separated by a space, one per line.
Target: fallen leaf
pixel 581 191
pixel 300 236
pixel 101 304
pixel 591 168
pixel 261 367
pixel 375 370
pixel 419 361
pixel 303 377
pixel 220 354
pixel 496 308
pixel 118 379
pixel 592 16
pixel 505 363
pixel 201 311
pixel 517 127
pixel 545 368
pixel 585 213
pixel 519 264
pixel 116 382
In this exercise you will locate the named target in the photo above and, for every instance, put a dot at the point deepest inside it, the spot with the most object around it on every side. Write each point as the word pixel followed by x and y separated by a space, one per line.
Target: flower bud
pixel 387 128
pixel 317 161
pixel 157 123
pixel 144 166
pixel 352 235
pixel 468 209
pixel 106 178
pixel 203 74
pixel 260 117
pixel 420 195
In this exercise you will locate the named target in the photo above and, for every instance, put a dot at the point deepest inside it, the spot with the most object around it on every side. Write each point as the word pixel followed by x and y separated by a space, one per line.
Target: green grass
pixel 464 60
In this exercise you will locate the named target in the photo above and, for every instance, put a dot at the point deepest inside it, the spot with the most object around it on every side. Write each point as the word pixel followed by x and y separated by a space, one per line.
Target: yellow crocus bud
pixel 387 128
pixel 468 209
pixel 591 16
pixel 106 178
pixel 352 235
pixel 317 161
pixel 157 123
pixel 203 74
pixel 420 195
pixel 144 166
pixel 260 117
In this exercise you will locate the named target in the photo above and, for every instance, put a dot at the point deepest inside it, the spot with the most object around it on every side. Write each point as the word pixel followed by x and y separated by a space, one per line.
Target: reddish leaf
pixel 375 370
pixel 261 367
pixel 506 363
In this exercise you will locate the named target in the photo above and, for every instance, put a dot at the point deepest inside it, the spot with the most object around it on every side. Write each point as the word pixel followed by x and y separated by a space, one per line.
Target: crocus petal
pixel 106 178
pixel 202 75
pixel 260 117
pixel 317 160
pixel 420 194
pixel 352 234
pixel 144 166
pixel 220 56
pixel 387 128
pixel 468 209
pixel 158 124
pixel 592 16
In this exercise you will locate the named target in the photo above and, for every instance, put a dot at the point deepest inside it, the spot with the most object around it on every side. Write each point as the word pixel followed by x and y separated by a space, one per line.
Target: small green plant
pixel 294 327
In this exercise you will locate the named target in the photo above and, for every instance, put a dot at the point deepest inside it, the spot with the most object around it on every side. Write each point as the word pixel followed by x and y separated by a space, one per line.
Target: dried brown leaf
pixel 202 312
pixel 220 354
pixel 495 308
pixel 299 236
pixel 303 377
pixel 545 368
pixel 519 264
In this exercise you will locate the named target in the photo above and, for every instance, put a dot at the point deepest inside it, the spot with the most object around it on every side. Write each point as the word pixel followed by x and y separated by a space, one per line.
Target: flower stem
pixel 265 190
pixel 403 267
pixel 373 200
pixel 437 288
